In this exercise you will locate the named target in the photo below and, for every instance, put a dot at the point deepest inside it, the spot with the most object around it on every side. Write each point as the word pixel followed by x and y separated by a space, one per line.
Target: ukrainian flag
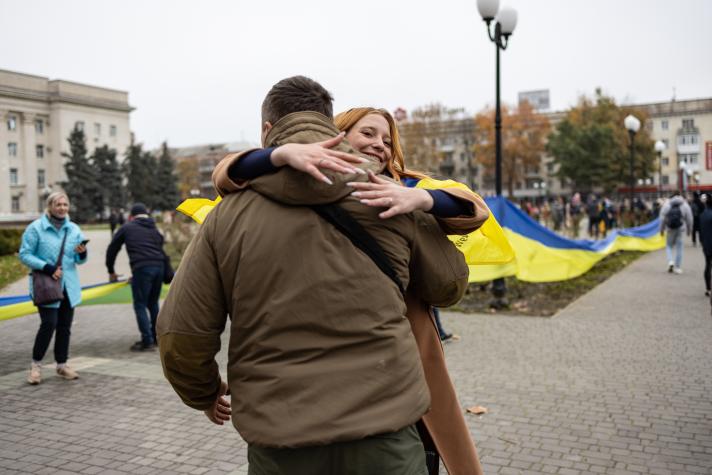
pixel 105 293
pixel 544 256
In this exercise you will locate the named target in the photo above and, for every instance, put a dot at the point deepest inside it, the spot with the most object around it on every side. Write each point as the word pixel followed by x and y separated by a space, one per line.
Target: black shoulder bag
pixel 352 229
pixel 46 290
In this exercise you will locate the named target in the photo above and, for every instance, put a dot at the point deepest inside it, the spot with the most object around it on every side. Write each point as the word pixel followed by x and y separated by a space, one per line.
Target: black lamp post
pixel 660 148
pixel 633 125
pixel 506 21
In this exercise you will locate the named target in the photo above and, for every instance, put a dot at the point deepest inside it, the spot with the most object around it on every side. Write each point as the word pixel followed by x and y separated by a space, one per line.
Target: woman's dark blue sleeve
pixel 252 165
pixel 446 205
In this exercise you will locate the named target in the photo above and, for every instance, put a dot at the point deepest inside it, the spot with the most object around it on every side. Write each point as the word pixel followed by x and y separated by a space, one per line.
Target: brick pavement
pixel 618 383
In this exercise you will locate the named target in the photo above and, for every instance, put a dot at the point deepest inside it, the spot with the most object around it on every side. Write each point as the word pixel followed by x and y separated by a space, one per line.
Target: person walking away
pixel 113 221
pixel 594 217
pixel 44 240
pixel 698 207
pixel 144 245
pixel 575 213
pixel 675 220
pixel 557 213
pixel 706 241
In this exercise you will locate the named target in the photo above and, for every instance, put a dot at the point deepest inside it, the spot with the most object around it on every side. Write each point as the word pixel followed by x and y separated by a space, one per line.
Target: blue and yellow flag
pixel 106 293
pixel 544 256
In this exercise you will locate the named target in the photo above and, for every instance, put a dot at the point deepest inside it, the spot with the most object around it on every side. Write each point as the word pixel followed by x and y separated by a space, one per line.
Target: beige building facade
pixel 685 126
pixel 37 116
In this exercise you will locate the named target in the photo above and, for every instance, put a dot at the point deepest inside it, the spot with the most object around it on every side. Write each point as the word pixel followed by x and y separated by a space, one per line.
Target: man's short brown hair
pixel 296 94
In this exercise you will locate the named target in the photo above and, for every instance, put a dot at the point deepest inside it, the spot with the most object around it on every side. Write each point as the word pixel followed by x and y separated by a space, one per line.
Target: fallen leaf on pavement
pixel 478 410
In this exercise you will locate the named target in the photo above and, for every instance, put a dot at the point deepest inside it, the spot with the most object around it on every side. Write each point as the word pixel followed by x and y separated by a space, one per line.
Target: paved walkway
pixel 620 382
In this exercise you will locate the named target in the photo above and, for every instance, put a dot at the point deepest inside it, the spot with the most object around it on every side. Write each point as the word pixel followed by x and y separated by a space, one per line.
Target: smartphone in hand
pixel 84 242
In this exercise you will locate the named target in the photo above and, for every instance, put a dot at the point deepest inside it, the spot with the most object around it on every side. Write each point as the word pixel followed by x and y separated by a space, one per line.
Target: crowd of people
pixel 599 214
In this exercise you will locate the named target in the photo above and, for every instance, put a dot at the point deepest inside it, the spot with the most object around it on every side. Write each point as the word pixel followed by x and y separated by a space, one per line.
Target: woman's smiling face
pixel 372 136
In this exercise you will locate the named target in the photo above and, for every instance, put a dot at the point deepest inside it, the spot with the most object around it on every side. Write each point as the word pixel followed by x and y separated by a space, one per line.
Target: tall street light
pixel 632 123
pixel 660 148
pixel 505 22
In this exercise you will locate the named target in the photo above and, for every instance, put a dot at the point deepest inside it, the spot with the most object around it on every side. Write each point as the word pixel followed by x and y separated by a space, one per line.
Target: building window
pixel 666 161
pixel 693 139
pixel 664 124
pixel 79 125
pixel 688 123
pixel 15 204
pixel 692 158
pixel 12 149
pixel 112 130
pixel 13 176
pixel 39 149
pixel 97 128
pixel 40 178
pixel 39 126
pixel 12 123
pixel 666 180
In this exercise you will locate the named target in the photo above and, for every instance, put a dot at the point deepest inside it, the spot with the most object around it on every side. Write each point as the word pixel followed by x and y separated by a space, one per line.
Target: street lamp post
pixel 506 21
pixel 633 125
pixel 660 148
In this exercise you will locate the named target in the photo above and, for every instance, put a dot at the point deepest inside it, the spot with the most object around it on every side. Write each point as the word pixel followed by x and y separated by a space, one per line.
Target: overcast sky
pixel 197 71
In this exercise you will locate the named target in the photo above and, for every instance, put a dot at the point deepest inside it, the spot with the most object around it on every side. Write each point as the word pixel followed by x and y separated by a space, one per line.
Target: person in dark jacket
pixel 144 245
pixel 698 207
pixel 706 240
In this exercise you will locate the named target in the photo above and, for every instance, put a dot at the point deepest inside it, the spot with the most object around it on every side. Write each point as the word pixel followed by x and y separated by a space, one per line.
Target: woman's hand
pixel 57 274
pixel 80 248
pixel 309 158
pixel 397 198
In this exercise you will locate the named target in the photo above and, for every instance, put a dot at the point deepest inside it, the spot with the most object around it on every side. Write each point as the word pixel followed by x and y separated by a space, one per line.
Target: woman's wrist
pixel 278 157
pixel 427 200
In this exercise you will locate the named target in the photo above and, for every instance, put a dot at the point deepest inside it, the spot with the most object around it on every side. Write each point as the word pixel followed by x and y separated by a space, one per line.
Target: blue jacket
pixel 40 246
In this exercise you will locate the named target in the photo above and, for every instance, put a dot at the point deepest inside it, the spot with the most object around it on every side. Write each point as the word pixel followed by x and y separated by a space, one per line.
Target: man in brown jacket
pixel 323 368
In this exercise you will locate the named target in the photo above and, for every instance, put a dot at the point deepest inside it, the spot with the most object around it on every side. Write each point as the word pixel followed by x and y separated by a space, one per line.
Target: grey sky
pixel 197 71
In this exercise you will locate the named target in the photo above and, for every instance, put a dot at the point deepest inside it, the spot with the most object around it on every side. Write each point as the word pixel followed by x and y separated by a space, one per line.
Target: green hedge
pixel 10 240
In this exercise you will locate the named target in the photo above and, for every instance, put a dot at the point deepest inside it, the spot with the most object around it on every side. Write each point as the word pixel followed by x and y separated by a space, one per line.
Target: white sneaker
pixel 67 373
pixel 677 270
pixel 671 264
pixel 35 376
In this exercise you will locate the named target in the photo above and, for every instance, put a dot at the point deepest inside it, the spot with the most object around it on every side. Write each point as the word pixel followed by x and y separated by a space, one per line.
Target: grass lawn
pixel 11 269
pixel 544 299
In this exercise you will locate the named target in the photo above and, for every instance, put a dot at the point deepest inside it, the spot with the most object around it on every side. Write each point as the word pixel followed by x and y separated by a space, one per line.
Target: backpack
pixel 673 220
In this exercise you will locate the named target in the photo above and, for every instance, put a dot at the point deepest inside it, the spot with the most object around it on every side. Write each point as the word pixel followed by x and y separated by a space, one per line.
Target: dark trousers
pixel 438 323
pixel 708 270
pixel 695 230
pixel 57 320
pixel 146 283
pixel 395 453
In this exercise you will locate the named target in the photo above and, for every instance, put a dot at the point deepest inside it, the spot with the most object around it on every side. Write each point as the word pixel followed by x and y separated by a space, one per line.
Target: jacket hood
pixel 677 200
pixel 145 222
pixel 293 127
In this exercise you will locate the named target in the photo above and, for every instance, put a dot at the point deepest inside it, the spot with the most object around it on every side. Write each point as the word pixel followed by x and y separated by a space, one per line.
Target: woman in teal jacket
pixel 39 250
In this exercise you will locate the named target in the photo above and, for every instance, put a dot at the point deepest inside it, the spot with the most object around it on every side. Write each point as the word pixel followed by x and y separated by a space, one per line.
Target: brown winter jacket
pixel 444 421
pixel 320 349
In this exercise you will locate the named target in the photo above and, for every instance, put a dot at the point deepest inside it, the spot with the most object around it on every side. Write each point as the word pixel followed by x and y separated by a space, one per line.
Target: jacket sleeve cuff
pixel 49 269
